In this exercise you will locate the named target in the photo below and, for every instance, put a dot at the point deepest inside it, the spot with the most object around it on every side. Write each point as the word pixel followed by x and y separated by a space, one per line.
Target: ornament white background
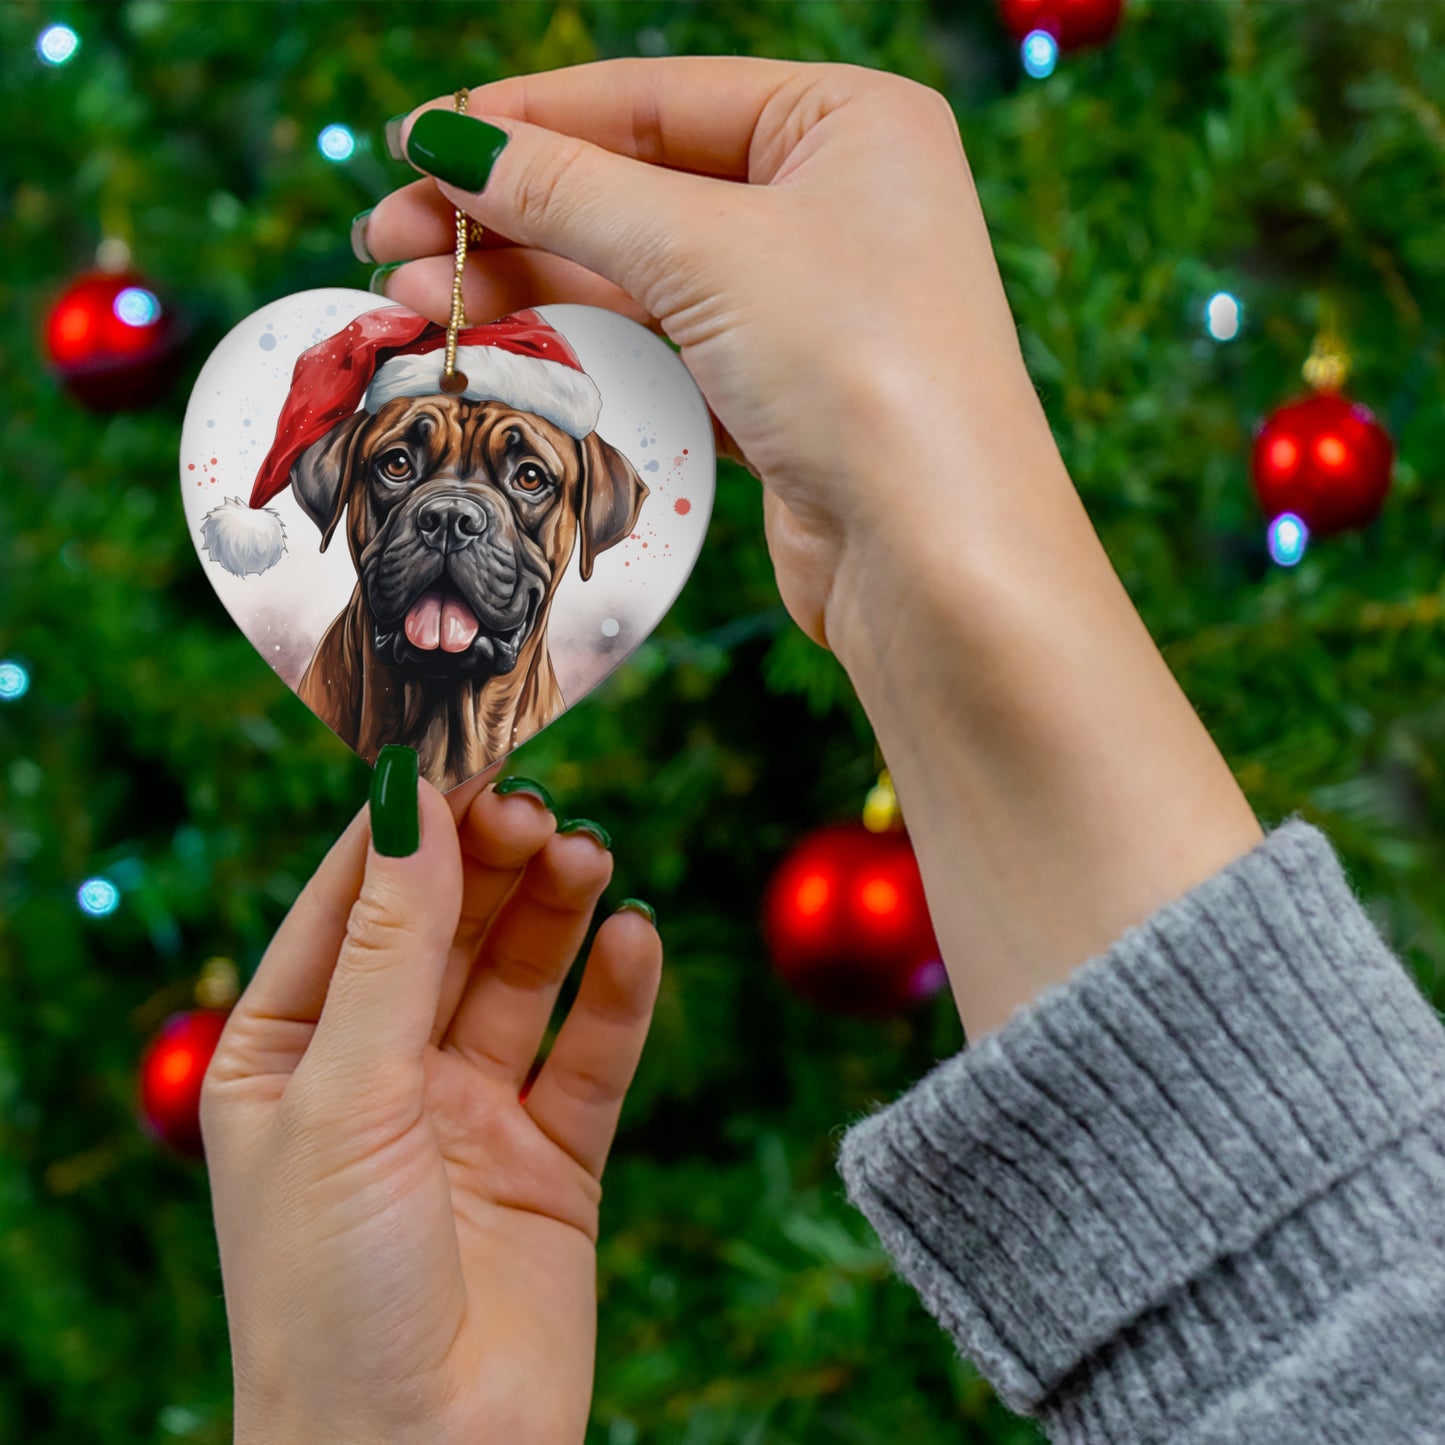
pixel 652 412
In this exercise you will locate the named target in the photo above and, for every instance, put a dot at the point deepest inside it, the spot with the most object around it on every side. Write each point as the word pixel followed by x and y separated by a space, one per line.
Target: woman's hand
pixel 407 1247
pixel 836 310
pixel 811 238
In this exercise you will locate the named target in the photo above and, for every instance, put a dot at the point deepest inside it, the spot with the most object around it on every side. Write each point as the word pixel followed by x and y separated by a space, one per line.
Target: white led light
pixel 98 897
pixel 136 306
pixel 14 681
pixel 1288 538
pixel 57 44
pixel 1040 52
pixel 336 143
pixel 1223 316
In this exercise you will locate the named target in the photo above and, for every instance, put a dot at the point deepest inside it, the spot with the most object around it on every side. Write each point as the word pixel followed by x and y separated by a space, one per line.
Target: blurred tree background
pixel 1287 153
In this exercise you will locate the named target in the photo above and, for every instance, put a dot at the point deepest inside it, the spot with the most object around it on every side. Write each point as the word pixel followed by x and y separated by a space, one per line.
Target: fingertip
pixel 636 905
pixel 395 809
pixel 629 950
pixel 633 935
pixel 461 798
pixel 505 830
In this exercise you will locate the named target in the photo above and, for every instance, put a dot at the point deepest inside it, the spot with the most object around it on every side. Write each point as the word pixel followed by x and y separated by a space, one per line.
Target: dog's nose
pixel 448 524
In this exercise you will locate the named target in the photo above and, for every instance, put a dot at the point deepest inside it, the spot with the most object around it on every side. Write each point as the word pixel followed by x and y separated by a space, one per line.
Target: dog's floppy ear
pixel 612 495
pixel 319 475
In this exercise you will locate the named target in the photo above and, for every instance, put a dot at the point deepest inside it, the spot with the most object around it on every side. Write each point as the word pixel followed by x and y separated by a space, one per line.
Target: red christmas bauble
pixel 171 1071
pixel 1324 458
pixel 847 923
pixel 1073 23
pixel 111 341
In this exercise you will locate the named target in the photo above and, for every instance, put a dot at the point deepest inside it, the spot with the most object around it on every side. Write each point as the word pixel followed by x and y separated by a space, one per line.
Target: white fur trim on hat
pixel 243 539
pixel 556 392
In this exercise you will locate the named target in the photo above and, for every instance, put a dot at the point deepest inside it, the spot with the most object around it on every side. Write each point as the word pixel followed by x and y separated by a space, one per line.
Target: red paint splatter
pixel 191 467
pixel 644 546
pixel 682 506
pixel 213 479
pixel 684 451
pixel 213 461
pixel 677 461
pixel 627 564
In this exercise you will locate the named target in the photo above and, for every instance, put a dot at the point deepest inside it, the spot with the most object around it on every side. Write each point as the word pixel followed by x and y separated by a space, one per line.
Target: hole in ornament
pixel 455 384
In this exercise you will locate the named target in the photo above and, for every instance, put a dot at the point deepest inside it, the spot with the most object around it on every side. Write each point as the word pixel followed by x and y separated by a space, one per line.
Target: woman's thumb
pixel 623 219
pixel 382 1000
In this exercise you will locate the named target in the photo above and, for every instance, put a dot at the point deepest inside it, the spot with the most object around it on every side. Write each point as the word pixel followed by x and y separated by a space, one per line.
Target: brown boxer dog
pixel 462 517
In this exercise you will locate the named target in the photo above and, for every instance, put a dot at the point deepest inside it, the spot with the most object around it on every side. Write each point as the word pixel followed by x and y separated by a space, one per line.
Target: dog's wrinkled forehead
pixel 449 435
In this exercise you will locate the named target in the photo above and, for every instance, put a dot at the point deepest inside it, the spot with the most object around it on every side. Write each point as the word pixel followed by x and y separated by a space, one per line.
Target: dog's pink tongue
pixel 424 622
pixel 436 621
pixel 459 625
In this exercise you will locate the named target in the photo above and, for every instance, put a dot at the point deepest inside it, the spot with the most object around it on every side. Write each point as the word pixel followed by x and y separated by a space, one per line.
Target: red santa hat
pixel 390 352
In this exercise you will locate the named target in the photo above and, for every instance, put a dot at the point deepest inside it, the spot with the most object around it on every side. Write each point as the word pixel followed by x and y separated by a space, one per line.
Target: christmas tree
pixel 1179 215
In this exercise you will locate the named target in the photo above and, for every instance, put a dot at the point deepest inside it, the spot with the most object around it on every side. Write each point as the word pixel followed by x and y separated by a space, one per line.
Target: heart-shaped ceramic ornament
pixel 446 571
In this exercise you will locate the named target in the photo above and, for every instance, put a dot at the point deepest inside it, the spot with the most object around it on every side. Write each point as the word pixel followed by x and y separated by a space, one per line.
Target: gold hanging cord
pixel 454 382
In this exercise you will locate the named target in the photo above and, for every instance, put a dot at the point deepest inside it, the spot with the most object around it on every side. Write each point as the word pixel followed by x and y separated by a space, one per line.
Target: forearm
pixel 1056 782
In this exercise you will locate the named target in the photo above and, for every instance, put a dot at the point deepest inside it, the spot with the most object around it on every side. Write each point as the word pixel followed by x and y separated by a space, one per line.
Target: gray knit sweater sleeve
pixel 1196 1192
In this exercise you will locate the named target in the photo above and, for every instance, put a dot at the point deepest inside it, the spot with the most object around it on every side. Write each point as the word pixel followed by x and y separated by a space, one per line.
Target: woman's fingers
pixel 503 1011
pixel 510 279
pixel 577 1097
pixel 499 835
pixel 382 998
pixel 689 113
pixel 634 224
pixel 416 220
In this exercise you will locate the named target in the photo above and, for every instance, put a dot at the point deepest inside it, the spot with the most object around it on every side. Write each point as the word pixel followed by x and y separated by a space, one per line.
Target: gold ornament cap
pixel 1328 365
pixel 219 985
pixel 881 813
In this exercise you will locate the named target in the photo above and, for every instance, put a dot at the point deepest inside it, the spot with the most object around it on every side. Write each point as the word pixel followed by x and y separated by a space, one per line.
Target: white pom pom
pixel 243 539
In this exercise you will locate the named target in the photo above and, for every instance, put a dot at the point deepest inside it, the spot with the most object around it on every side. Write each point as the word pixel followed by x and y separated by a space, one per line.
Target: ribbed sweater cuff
pixel 1124 1194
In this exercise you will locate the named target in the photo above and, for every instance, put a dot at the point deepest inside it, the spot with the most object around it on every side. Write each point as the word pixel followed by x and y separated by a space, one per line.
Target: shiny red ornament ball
pixel 1324 458
pixel 171 1071
pixel 1073 23
pixel 112 341
pixel 847 923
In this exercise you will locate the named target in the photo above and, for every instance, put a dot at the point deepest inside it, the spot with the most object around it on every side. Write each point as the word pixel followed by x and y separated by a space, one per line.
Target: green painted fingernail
pixel 377 284
pixel 526 785
pixel 393 136
pixel 455 148
pixel 636 905
pixel 586 825
pixel 395 825
pixel 359 248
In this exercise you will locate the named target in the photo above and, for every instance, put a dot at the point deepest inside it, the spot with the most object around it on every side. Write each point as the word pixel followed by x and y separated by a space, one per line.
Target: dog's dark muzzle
pixel 450 591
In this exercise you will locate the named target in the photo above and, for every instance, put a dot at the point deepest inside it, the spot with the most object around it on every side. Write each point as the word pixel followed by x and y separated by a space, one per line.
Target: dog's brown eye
pixel 531 478
pixel 395 466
